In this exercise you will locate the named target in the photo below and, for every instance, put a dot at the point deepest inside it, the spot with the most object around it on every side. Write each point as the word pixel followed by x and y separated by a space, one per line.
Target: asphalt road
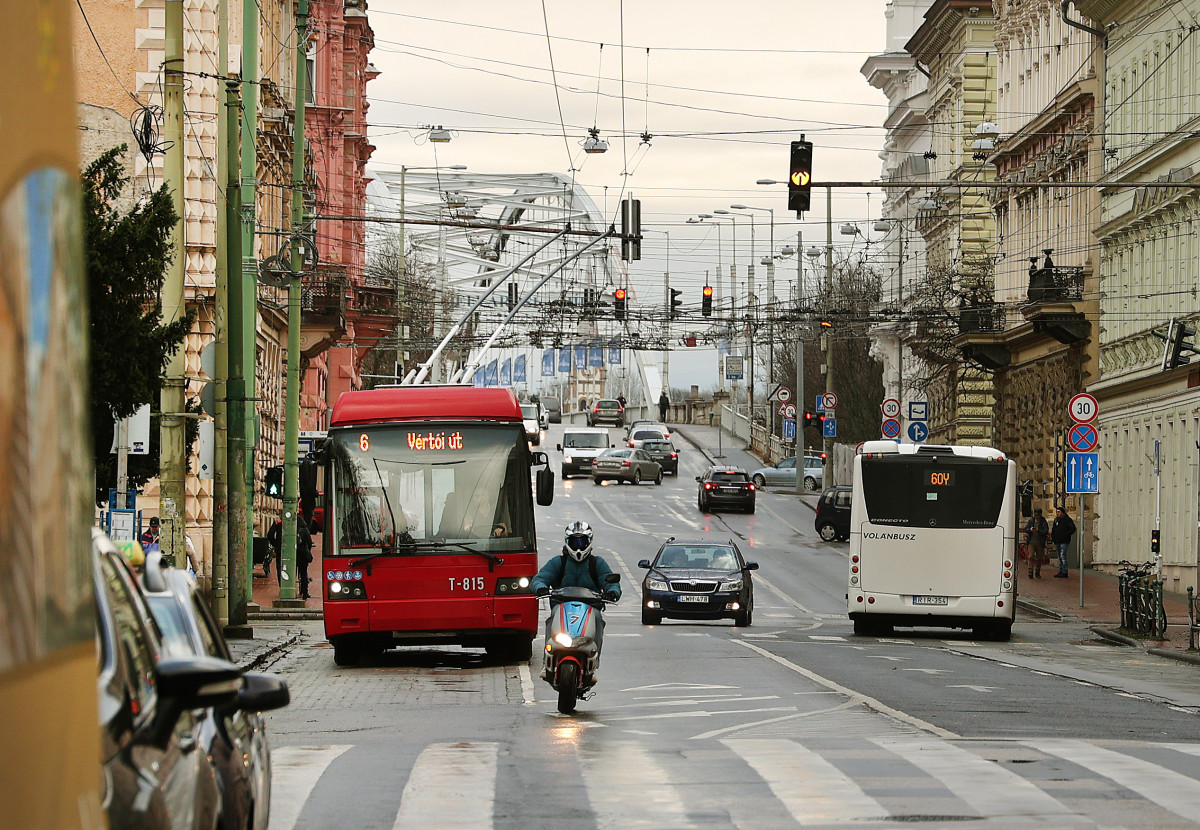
pixel 791 722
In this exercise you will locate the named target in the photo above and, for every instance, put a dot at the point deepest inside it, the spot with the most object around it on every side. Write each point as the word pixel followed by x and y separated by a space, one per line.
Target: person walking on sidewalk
pixel 1036 531
pixel 664 403
pixel 1060 535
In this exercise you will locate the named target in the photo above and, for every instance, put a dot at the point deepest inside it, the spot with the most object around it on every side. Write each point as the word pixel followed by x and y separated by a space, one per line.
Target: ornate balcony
pixel 1053 294
pixel 981 335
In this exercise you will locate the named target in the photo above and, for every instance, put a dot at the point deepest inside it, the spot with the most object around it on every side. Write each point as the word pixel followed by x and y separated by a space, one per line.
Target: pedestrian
pixel 664 403
pixel 151 536
pixel 621 400
pixel 1036 531
pixel 304 546
pixel 1060 534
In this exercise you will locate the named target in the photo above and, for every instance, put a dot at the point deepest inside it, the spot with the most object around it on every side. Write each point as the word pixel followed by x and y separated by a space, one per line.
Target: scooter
pixel 572 653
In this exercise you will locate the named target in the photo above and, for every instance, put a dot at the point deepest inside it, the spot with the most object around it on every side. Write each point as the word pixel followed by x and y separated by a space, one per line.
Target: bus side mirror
pixel 545 486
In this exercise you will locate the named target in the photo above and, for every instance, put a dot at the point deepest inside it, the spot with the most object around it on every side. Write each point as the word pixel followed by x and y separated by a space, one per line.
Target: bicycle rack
pixel 1142 609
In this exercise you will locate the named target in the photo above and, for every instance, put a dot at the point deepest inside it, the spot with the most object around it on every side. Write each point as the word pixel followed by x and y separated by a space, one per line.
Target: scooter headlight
pixel 563 639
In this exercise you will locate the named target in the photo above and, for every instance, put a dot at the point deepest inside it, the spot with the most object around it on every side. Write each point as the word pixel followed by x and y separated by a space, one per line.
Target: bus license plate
pixel 693 598
pixel 931 600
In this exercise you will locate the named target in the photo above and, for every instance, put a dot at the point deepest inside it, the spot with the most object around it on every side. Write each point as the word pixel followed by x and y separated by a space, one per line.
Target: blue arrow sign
pixel 830 428
pixel 1083 472
pixel 789 428
pixel 918 431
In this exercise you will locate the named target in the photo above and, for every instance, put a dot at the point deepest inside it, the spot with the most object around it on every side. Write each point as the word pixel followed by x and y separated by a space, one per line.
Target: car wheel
pixel 744 617
pixel 827 532
pixel 649 617
pixel 750 509
pixel 345 652
pixel 564 474
pixel 810 484
pixel 637 476
pixel 760 481
pixel 659 479
pixel 596 480
pixel 701 504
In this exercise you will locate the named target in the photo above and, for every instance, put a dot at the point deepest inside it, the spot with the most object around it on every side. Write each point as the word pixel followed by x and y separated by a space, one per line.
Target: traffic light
pixel 706 301
pixel 619 303
pixel 1178 342
pixel 800 175
pixel 1154 546
pixel 675 302
pixel 807 420
pixel 631 229
pixel 512 296
pixel 275 482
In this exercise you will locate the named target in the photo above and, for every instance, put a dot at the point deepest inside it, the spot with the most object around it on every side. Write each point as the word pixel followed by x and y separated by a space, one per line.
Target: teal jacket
pixel 556 574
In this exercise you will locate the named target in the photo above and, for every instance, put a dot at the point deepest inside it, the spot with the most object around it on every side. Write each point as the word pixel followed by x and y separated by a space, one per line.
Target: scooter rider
pixel 578 566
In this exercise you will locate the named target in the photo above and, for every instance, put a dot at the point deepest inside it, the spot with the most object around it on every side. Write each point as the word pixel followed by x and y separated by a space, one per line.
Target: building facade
pixel 1149 268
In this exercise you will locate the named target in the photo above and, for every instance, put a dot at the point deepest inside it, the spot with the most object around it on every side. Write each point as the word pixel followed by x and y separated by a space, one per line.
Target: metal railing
pixel 1141 599
pixel 1193 624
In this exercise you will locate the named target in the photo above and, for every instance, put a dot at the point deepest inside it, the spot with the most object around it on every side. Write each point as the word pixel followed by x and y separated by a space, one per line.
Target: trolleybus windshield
pixel 950 492
pixel 429 488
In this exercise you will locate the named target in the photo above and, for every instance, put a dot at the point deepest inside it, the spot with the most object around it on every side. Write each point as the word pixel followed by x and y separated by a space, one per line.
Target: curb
pixel 689 439
pixel 1191 657
pixel 1040 610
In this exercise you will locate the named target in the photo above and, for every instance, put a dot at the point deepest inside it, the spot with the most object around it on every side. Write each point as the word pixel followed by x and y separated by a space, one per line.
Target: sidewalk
pixel 718 447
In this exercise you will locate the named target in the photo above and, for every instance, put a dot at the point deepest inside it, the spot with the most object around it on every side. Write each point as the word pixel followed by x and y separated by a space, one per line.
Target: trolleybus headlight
pixel 335 587
pixel 563 639
pixel 513 585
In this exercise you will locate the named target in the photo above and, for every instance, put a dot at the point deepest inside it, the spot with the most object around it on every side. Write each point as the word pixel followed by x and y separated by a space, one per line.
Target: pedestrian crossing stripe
pixel 639 784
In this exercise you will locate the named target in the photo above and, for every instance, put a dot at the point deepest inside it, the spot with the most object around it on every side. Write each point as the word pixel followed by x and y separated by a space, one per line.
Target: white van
pixel 579 447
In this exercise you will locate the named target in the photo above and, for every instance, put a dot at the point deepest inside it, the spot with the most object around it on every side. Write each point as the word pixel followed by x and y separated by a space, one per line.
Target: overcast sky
pixel 730 86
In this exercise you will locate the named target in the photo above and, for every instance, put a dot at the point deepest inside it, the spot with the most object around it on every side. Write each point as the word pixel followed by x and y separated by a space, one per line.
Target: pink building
pixel 343 317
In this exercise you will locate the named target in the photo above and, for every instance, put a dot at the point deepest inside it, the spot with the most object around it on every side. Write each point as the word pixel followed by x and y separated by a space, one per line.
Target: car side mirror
pixel 612 579
pixel 537 459
pixel 558 447
pixel 262 692
pixel 752 566
pixel 545 486
pixel 644 563
pixel 190 683
pixel 697 478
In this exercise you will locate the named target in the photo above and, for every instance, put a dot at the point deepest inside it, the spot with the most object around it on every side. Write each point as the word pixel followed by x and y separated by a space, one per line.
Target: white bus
pixel 933 539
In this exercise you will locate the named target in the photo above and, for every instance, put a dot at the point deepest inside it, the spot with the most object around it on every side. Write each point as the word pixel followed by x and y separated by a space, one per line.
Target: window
pixel 921 492
pixel 134 641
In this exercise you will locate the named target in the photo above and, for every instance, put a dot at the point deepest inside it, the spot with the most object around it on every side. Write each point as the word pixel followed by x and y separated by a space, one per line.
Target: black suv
pixel 725 487
pixel 833 513
pixel 665 454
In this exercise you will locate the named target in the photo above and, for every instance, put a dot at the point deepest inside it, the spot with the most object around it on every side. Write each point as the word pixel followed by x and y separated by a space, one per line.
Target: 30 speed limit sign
pixel 1083 408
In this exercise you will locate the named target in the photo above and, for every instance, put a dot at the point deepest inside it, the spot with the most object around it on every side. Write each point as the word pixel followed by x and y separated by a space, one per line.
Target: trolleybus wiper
pixel 389 549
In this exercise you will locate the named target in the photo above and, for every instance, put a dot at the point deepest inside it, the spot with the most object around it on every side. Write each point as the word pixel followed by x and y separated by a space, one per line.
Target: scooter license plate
pixel 693 598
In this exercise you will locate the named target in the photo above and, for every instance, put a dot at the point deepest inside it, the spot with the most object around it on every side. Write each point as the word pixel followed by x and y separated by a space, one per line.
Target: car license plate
pixel 919 600
pixel 693 598
pixel 731 489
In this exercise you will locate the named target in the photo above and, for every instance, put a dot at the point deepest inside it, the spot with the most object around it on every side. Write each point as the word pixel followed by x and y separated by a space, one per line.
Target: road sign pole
pixel 1082 538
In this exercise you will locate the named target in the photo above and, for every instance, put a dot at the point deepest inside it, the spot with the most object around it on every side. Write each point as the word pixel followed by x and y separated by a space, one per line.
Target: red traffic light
pixel 707 291
pixel 619 294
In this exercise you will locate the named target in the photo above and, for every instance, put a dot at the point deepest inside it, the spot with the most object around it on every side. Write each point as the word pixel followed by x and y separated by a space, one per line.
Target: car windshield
pixel 728 476
pixel 172 625
pixel 585 440
pixel 530 413
pixel 698 557
pixel 431 483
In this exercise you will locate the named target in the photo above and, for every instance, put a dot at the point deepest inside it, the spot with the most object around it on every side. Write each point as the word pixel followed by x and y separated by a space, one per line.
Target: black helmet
pixel 578 541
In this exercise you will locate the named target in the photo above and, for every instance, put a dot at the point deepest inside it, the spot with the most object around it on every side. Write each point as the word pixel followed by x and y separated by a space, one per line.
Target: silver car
pixel 783 474
pixel 629 465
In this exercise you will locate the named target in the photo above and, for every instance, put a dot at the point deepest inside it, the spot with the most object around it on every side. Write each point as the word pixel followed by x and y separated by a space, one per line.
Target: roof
pixel 425 403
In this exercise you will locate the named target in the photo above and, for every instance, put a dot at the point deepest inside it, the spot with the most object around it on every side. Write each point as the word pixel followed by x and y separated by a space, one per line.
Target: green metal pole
pixel 243 313
pixel 291 466
pixel 220 526
pixel 172 433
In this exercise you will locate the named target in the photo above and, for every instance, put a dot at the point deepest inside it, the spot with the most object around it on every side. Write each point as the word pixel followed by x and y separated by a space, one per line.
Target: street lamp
pixel 886 226
pixel 403 258
pixel 769 262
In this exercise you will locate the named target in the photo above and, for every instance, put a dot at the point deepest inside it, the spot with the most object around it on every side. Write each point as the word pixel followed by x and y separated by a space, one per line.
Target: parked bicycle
pixel 1141 598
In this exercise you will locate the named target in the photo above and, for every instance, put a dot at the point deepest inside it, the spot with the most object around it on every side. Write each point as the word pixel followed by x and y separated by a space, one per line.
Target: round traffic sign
pixel 890 428
pixel 858 449
pixel 830 400
pixel 890 408
pixel 1083 437
pixel 789 411
pixel 784 394
pixel 918 431
pixel 1083 408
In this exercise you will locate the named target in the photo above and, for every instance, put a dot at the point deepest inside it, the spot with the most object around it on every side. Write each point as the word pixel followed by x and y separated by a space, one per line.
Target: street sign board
pixel 733 367
pixel 918 410
pixel 918 431
pixel 890 408
pixel 781 394
pixel 830 428
pixel 1083 472
pixel 830 400
pixel 789 429
pixel 1083 408
pixel 820 403
pixel 1082 437
pixel 890 428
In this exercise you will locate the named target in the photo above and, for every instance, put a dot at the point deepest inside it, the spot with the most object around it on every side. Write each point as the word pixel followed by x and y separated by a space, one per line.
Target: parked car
pixel 783 474
pixel 152 708
pixel 580 446
pixel 698 579
pixel 833 513
pixel 643 434
pixel 607 411
pixel 725 487
pixel 664 453
pixel 234 739
pixel 553 407
pixel 531 418
pixel 623 464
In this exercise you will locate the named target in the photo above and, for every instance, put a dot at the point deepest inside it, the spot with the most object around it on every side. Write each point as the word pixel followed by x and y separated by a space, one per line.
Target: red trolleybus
pixel 429 522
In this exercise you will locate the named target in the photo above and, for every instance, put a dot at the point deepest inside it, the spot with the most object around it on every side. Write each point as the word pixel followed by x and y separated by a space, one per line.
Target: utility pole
pixel 666 372
pixel 291 466
pixel 172 433
pixel 225 220
pixel 800 409
pixel 828 334
pixel 243 329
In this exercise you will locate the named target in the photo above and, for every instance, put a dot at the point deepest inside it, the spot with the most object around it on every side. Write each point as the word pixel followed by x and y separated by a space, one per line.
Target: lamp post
pixel 768 261
pixel 751 312
pixel 399 359
pixel 885 226
pixel 732 279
